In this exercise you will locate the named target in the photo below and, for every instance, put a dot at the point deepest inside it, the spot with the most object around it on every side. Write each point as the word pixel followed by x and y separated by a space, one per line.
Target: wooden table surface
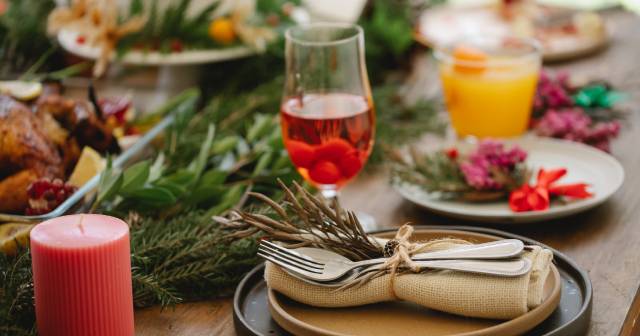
pixel 604 241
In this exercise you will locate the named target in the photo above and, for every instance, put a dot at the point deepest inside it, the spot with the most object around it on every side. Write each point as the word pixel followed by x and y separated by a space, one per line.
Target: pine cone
pixel 390 248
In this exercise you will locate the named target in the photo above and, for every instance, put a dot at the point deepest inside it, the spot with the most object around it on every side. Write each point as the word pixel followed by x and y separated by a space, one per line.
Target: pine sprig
pixel 433 172
pixel 17 311
pixel 439 173
pixel 185 258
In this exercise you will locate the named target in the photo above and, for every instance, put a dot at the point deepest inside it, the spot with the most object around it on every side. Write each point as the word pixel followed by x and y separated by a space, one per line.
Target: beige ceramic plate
pixel 399 318
pixel 443 25
pixel 601 171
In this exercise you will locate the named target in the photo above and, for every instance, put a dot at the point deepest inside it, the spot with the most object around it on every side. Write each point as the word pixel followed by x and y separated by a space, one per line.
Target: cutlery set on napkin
pixel 499 280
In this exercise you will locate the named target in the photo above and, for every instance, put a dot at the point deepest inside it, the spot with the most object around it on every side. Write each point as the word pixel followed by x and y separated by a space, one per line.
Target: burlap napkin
pixel 453 292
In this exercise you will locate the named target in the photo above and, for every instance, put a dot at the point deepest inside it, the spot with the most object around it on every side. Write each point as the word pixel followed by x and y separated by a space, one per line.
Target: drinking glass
pixel 327 115
pixel 489 84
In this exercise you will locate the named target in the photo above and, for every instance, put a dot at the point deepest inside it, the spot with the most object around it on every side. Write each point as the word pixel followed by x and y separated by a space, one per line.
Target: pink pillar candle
pixel 82 276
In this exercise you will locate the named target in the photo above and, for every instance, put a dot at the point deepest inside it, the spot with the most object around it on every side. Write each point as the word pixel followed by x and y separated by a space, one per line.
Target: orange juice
pixel 488 96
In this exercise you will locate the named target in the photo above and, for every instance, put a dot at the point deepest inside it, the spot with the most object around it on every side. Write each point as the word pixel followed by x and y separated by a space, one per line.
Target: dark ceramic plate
pixel 572 317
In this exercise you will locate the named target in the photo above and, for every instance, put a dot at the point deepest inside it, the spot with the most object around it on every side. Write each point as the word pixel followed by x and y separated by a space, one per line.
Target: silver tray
pixel 118 162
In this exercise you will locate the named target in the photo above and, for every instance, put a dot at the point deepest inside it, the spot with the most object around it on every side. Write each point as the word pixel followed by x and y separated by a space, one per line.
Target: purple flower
pixel 575 125
pixel 553 92
pixel 490 154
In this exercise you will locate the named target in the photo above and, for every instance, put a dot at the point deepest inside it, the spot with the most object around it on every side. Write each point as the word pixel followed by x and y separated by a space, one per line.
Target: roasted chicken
pixel 44 140
pixel 26 154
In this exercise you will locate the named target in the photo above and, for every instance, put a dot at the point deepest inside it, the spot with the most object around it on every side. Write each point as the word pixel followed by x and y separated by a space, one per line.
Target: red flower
pixel 536 198
pixel 452 153
pixel 528 198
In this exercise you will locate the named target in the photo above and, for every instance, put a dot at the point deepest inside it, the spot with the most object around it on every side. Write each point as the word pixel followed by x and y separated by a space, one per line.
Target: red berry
pixel 333 150
pixel 302 154
pixel 81 39
pixel 176 46
pixel 324 172
pixel 452 153
pixel 350 164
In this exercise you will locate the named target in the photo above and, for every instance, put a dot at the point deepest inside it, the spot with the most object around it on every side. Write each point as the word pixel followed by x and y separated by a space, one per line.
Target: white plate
pixel 443 25
pixel 68 40
pixel 585 164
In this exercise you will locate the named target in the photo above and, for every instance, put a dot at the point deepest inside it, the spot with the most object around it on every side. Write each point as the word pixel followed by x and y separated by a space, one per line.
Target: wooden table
pixel 604 241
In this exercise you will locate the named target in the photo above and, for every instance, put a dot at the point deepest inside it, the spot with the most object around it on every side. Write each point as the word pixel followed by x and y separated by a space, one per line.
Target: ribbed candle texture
pixel 82 276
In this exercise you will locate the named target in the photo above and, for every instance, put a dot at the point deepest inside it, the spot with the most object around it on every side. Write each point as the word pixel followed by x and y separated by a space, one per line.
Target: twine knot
pixel 398 252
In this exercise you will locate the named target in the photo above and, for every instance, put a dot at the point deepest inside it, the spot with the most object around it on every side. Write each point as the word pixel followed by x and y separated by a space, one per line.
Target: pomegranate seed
pixel 49 195
pixel 57 183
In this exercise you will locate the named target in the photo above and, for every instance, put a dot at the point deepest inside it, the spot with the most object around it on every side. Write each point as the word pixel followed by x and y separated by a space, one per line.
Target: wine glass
pixel 327 115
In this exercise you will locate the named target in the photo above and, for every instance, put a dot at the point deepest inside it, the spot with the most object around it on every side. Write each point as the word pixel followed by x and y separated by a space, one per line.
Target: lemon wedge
pixel 13 235
pixel 89 165
pixel 21 90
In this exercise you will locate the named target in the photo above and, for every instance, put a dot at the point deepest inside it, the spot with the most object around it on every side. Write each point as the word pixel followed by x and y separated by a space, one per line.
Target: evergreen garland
pixel 179 253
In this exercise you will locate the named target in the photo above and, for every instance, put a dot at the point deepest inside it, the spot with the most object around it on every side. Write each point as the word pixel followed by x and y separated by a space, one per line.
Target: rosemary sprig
pixel 305 220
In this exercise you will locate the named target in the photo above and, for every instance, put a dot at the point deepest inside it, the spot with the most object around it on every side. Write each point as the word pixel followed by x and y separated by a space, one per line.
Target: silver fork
pixel 335 266
pixel 502 249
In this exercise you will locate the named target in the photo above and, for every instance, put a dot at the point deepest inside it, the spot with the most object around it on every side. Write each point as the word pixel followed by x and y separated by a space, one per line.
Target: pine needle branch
pixel 303 219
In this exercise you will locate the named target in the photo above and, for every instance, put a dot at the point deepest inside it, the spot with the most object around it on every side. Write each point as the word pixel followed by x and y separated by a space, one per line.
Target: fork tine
pixel 272 252
pixel 291 253
pixel 287 265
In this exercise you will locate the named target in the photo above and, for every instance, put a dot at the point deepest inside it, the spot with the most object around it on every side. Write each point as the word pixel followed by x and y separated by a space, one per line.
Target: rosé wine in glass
pixel 328 136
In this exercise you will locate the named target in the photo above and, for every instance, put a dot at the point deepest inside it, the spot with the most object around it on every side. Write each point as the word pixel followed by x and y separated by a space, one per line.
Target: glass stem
pixel 329 194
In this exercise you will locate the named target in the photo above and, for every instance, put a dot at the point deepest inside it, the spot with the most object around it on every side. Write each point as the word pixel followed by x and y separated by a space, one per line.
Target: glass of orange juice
pixel 489 84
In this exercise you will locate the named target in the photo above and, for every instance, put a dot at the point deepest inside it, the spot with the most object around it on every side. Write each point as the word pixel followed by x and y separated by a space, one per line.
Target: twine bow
pixel 402 251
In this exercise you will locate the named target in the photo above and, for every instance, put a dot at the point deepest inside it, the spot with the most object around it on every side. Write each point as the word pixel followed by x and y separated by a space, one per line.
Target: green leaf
pixel 225 145
pixel 205 194
pixel 155 196
pixel 183 103
pixel 262 164
pixel 198 165
pixel 109 185
pixel 282 161
pixel 156 170
pixel 176 189
pixel 182 177
pixel 135 177
pixel 209 188
pixel 230 199
pixel 213 177
pixel 260 126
